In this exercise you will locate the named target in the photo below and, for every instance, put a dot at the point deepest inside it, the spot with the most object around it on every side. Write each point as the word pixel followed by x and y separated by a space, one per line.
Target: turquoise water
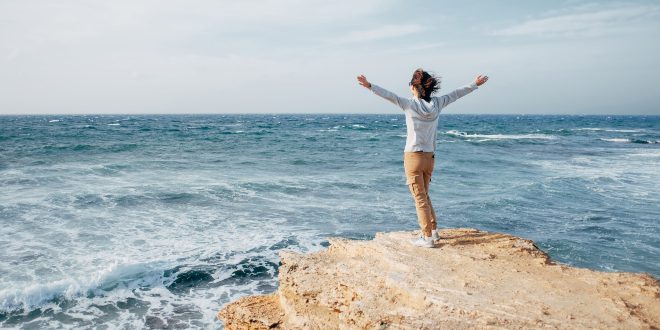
pixel 158 221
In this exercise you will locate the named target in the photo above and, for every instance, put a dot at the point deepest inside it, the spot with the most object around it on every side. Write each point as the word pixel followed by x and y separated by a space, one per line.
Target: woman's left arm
pixel 447 99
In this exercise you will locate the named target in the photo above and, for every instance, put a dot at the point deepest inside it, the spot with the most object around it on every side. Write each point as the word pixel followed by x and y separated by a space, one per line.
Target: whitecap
pixel 53 120
pixel 622 140
pixel 114 124
pixel 487 137
pixel 37 294
pixel 608 130
pixel 617 140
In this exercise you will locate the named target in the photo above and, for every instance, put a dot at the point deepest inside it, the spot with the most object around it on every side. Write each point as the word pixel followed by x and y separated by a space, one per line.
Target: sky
pixel 303 56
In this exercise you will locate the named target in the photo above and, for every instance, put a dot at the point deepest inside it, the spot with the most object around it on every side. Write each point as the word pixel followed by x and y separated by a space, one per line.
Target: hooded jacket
pixel 422 116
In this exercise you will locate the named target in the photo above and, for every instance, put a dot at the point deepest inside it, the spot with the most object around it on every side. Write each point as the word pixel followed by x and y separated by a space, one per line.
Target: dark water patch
pixel 248 270
pixel 259 133
pixel 183 198
pixel 88 148
pixel 644 141
pixel 189 279
pixel 39 162
pixel 122 147
pixel 22 316
pixel 599 231
pixel 23 182
pixel 154 322
pixel 130 200
pixel 57 148
pixel 19 317
pixel 255 268
pixel 288 242
pixel 88 200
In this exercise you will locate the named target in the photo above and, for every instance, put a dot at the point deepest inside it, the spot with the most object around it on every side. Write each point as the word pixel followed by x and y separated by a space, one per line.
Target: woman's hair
pixel 425 84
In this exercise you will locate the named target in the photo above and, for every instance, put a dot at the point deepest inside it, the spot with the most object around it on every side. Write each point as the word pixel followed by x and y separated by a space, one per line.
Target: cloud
pixel 584 21
pixel 426 46
pixel 379 33
pixel 34 26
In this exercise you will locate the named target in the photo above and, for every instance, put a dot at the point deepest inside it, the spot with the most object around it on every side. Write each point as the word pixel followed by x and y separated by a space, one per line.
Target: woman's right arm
pixel 401 102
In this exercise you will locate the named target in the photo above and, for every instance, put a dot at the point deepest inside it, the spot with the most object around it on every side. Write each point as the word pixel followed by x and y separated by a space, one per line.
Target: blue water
pixel 158 221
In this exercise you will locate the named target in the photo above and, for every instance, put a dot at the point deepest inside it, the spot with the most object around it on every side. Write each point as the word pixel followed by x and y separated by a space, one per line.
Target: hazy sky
pixel 292 56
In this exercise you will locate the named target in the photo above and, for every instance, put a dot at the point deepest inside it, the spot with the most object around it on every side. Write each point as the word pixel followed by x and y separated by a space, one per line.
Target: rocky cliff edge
pixel 472 280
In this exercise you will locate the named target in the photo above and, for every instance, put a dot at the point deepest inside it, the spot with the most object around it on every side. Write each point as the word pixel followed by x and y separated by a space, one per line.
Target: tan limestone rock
pixel 472 280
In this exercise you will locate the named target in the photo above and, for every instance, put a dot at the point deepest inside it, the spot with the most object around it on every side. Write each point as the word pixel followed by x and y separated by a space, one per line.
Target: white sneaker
pixel 422 241
pixel 435 235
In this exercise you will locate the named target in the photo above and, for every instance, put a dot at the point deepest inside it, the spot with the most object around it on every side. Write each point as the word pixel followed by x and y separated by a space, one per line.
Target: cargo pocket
pixel 415 184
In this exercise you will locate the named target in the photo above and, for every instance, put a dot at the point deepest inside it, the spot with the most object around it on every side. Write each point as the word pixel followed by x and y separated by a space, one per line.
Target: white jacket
pixel 422 116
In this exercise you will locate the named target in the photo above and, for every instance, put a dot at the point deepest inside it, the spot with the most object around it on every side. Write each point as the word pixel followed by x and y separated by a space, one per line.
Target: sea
pixel 158 221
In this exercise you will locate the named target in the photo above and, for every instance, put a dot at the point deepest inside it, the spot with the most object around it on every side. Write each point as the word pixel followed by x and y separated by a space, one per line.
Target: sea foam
pixel 501 136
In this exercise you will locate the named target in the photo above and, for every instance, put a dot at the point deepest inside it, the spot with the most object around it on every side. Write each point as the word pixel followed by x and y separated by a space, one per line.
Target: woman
pixel 422 125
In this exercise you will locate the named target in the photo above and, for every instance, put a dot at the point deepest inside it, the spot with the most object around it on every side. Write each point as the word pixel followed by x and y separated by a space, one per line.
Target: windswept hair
pixel 425 83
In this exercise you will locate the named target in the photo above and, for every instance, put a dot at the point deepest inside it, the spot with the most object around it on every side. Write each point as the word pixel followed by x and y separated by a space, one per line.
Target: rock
pixel 253 312
pixel 473 279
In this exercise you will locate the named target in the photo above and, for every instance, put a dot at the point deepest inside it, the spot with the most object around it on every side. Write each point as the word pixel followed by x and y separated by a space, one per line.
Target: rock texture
pixel 472 280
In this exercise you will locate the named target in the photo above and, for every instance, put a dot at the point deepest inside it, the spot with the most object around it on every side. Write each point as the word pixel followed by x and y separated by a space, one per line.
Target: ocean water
pixel 157 221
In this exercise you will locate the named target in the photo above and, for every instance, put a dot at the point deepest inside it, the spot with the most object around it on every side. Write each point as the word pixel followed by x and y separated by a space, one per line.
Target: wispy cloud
pixel 379 33
pixel 426 46
pixel 586 21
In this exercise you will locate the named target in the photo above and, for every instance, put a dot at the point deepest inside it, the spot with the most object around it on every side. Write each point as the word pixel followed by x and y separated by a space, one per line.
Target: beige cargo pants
pixel 419 168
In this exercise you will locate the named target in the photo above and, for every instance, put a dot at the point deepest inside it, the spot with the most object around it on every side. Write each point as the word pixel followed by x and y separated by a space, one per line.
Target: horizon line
pixel 312 113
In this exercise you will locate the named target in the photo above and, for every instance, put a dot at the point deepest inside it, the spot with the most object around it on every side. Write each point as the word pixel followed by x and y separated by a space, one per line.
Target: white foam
pixel 488 137
pixel 608 129
pixel 623 140
pixel 113 124
pixel 53 120
pixel 37 294
pixel 618 140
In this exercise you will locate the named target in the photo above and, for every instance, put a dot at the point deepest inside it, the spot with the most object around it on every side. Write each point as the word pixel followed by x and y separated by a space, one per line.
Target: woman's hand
pixel 480 80
pixel 363 81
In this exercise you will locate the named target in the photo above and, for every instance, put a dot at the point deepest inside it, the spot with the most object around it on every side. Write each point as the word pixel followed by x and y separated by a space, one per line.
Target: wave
pixel 623 140
pixel 486 137
pixel 608 130
pixel 90 148
pixel 122 277
pixel 35 295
